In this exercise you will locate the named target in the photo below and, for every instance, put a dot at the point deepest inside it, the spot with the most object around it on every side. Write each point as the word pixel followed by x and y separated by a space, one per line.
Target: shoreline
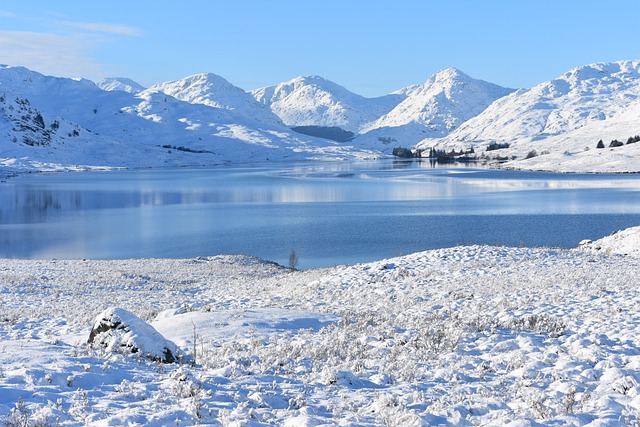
pixel 9 173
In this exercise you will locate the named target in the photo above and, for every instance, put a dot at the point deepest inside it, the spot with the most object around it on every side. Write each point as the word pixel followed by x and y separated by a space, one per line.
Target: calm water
pixel 330 213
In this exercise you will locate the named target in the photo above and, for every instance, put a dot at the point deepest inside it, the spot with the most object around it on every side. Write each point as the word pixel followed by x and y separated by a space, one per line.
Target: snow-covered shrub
pixel 497 146
pixel 21 416
pixel 616 143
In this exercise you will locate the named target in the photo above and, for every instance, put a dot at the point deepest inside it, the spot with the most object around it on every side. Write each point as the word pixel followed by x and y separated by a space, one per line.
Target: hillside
pixel 432 109
pixel 563 118
pixel 405 117
pixel 214 91
pixel 315 101
pixel 50 123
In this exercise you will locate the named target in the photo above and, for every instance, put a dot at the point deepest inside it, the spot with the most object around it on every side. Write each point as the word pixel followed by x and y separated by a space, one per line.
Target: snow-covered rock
pixel 623 242
pixel 118 330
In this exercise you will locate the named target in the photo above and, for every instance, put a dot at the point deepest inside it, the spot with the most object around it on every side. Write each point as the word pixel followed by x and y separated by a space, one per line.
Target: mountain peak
pixel 450 72
pixel 448 76
pixel 315 101
pixel 120 83
pixel 200 82
pixel 203 78
pixel 622 70
pixel 311 78
pixel 441 104
pixel 316 81
pixel 215 91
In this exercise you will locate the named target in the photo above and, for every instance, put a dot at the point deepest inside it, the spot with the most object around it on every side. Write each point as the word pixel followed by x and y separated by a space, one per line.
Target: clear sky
pixel 371 47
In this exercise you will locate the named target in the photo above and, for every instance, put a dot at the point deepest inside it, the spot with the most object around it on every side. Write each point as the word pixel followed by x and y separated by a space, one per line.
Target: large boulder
pixel 118 330
pixel 622 242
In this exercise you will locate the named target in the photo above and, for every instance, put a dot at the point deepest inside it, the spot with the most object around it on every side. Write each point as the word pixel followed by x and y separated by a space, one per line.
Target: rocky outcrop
pixel 118 330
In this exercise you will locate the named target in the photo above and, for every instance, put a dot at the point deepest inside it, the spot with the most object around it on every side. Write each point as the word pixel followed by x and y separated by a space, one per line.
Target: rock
pixel 623 242
pixel 118 330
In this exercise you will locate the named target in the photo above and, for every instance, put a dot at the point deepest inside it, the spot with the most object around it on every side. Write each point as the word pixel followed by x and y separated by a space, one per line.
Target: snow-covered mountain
pixel 214 91
pixel 315 101
pixel 564 117
pixel 404 117
pixel 120 83
pixel 435 108
pixel 51 123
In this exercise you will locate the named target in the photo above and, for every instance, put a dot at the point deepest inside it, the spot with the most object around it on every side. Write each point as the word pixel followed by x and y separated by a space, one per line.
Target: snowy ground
pixel 578 160
pixel 462 336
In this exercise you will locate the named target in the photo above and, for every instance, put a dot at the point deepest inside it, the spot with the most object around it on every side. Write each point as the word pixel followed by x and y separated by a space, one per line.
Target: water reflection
pixel 322 210
pixel 28 200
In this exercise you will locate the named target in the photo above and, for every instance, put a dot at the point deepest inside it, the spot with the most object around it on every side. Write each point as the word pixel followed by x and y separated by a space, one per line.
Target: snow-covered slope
pixel 120 83
pixel 315 101
pixel 404 117
pixel 53 123
pixel 477 335
pixel 434 108
pixel 214 91
pixel 48 122
pixel 567 115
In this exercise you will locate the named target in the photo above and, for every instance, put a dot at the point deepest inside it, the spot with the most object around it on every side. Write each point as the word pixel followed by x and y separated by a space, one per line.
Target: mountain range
pixel 564 117
pixel 60 123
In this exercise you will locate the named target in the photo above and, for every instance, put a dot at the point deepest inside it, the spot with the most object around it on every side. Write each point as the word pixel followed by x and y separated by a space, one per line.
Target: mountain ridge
pixel 215 91
pixel 434 108
pixel 120 83
pixel 52 123
pixel 316 101
pixel 567 114
pixel 554 125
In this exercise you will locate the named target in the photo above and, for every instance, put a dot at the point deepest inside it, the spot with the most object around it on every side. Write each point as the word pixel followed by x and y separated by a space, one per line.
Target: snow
pixel 214 91
pixel 316 101
pixel 51 123
pixel 562 120
pixel 435 108
pixel 470 335
pixel 623 242
pixel 404 117
pixel 120 83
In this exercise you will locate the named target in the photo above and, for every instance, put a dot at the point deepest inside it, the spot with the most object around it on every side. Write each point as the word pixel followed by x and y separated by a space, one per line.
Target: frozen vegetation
pixel 472 335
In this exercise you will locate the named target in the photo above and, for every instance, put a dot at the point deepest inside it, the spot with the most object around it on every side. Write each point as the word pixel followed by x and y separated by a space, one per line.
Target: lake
pixel 330 213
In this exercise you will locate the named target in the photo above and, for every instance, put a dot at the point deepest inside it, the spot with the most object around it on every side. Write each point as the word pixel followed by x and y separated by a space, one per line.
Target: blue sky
pixel 371 47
